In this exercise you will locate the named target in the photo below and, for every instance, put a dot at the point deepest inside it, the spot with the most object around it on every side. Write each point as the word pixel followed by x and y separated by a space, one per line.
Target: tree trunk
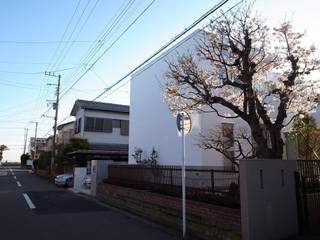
pixel 276 143
pixel 267 146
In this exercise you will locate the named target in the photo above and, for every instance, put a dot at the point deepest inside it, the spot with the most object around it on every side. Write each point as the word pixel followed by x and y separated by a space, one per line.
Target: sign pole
pixel 183 175
pixel 184 127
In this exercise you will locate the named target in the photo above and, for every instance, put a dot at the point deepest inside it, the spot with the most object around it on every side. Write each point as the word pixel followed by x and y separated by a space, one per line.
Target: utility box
pixel 268 199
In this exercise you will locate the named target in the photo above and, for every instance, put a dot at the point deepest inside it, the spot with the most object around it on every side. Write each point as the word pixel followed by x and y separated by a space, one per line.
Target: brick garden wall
pixel 204 220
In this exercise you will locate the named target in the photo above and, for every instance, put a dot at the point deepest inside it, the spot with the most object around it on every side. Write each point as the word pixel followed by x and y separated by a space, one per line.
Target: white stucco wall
pixel 102 137
pixel 152 124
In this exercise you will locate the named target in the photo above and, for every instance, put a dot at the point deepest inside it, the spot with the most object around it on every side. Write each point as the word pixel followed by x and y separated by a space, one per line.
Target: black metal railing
pixel 308 180
pixel 209 185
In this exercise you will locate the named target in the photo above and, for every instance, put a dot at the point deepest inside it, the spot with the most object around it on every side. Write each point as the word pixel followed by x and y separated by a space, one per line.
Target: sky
pixel 65 37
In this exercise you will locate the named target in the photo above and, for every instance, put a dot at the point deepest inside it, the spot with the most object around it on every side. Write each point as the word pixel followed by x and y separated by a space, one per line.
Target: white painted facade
pixel 101 137
pixel 153 125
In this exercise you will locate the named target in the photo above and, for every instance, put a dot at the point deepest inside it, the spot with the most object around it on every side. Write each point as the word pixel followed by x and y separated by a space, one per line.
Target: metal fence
pixel 204 184
pixel 309 194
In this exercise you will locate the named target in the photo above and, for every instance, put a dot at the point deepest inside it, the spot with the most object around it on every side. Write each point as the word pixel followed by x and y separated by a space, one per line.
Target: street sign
pixel 184 122
pixel 184 127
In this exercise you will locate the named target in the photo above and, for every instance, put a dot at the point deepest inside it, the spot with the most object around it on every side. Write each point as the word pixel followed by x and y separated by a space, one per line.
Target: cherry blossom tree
pixel 258 74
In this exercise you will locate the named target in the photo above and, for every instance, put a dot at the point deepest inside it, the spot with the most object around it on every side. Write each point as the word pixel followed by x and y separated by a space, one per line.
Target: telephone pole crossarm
pixel 56 108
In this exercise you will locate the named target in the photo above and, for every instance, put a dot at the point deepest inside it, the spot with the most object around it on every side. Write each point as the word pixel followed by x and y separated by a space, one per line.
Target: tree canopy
pixel 2 149
pixel 307 136
pixel 259 74
pixel 23 158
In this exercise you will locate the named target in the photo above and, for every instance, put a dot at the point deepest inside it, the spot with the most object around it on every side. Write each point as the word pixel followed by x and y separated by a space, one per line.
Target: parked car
pixel 87 181
pixel 65 180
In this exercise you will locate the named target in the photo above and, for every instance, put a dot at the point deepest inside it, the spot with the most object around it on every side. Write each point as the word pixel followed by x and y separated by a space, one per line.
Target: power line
pixel 19 83
pixel 110 46
pixel 57 50
pixel 79 32
pixel 64 33
pixel 70 36
pixel 34 63
pixel 35 73
pixel 44 42
pixel 62 57
pixel 93 50
pixel 204 16
pixel 17 86
pixel 107 31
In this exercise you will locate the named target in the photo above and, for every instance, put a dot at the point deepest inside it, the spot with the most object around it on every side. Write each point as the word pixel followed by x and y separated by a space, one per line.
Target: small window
pixel 124 130
pixel 116 123
pixel 89 124
pixel 99 125
pixel 107 125
pixel 78 126
pixel 227 130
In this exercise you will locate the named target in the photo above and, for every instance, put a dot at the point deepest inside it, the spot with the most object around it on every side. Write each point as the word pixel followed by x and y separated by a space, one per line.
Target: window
pixel 107 125
pixel 116 123
pixel 89 124
pixel 98 124
pixel 78 126
pixel 124 130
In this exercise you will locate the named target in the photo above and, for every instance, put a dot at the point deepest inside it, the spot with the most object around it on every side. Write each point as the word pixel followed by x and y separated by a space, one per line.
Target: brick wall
pixel 204 220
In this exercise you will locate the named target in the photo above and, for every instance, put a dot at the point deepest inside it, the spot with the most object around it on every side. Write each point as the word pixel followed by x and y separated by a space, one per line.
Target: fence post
pixel 305 203
pixel 171 180
pixel 301 219
pixel 212 181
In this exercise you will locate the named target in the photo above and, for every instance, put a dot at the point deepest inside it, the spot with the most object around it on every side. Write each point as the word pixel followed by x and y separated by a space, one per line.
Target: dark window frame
pixel 124 128
pixel 103 125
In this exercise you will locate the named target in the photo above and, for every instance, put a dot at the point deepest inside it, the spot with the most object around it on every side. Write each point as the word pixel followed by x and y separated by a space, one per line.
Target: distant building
pixel 37 147
pixel 65 131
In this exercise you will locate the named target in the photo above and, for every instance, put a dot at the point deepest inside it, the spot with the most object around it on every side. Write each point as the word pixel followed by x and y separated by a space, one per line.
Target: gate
pixel 308 195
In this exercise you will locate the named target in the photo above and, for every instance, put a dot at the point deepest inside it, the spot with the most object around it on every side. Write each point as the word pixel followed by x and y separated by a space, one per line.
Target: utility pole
pixel 56 108
pixel 25 140
pixel 35 140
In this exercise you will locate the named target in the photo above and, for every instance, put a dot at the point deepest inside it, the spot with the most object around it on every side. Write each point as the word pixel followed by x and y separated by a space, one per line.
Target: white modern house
pixel 153 125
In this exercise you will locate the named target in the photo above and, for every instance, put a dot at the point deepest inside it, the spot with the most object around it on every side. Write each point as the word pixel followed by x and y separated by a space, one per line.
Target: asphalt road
pixel 33 208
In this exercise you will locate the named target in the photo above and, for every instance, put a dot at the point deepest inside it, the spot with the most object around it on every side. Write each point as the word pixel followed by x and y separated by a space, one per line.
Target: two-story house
pixel 105 126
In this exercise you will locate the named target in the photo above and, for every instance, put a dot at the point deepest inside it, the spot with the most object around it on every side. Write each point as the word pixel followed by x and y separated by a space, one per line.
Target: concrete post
pixel 268 199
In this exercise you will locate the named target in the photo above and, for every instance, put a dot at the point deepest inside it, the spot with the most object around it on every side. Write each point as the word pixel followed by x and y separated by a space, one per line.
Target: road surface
pixel 33 208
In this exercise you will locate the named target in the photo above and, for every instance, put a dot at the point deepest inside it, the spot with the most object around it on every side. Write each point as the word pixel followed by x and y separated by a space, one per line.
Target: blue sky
pixel 23 96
